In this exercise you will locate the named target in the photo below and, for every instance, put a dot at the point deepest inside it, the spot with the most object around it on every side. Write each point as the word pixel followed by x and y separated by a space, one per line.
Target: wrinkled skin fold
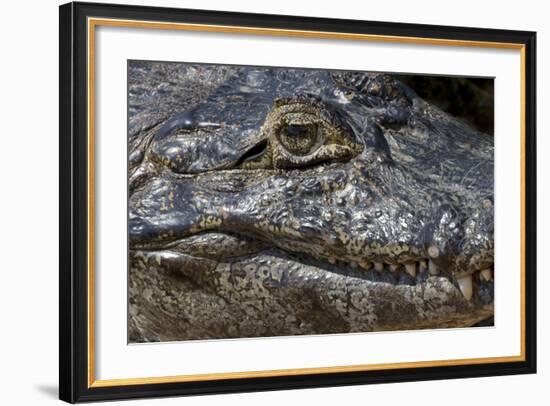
pixel 276 201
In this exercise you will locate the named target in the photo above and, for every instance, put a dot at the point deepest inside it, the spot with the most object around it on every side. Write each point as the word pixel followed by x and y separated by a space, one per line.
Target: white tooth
pixel 465 284
pixel 419 268
pixel 411 269
pixel 422 265
pixel 393 267
pixel 378 266
pixel 432 268
pixel 365 265
pixel 486 275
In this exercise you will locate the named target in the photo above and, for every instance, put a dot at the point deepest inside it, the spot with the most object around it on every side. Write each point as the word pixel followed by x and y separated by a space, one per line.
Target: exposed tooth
pixel 486 275
pixel 465 284
pixel 393 267
pixel 411 269
pixel 379 266
pixel 419 268
pixel 365 264
pixel 422 265
pixel 433 268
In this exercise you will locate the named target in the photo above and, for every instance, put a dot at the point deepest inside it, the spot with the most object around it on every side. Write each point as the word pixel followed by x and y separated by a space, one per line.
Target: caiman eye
pixel 299 139
pixel 301 132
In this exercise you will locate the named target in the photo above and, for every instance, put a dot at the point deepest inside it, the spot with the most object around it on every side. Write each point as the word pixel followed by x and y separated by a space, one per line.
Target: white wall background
pixel 29 203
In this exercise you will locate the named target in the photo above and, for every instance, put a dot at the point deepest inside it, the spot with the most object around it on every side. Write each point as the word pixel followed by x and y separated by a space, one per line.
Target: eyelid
pixel 324 153
pixel 299 119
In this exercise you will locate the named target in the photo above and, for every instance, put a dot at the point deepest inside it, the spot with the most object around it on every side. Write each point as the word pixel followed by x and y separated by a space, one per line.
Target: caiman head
pixel 295 201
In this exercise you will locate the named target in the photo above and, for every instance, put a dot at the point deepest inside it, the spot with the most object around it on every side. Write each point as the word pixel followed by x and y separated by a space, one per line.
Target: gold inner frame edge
pixel 91 25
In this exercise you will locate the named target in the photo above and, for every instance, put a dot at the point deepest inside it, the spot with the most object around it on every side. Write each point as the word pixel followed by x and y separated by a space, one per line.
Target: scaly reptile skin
pixel 276 201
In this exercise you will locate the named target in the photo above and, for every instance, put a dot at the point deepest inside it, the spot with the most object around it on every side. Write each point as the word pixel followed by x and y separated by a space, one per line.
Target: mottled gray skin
pixel 231 235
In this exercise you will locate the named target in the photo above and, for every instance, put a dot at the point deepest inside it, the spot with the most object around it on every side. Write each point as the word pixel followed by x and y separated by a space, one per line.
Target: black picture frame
pixel 74 379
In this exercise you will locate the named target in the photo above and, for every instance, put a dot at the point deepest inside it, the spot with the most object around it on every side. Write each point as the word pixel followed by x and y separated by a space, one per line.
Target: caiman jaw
pixel 214 247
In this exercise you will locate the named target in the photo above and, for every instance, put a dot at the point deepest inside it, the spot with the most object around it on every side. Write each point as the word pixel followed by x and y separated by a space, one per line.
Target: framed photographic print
pixel 255 202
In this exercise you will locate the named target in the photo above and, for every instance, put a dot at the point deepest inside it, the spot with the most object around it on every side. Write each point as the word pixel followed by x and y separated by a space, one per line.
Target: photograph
pixel 275 201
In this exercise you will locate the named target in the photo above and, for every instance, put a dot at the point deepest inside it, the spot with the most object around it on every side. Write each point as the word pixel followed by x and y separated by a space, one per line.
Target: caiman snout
pixel 327 217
